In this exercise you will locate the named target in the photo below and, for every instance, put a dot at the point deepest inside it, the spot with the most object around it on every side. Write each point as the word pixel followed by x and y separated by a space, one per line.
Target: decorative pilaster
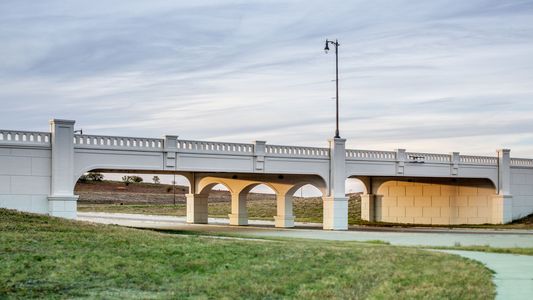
pixel 503 202
pixel 62 202
pixel 454 167
pixel 170 149
pixel 259 155
pixel 401 157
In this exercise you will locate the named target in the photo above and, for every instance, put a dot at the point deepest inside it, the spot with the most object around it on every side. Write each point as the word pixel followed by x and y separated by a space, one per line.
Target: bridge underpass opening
pixel 355 189
pixel 132 192
pixel 261 203
pixel 307 204
pixel 264 197
pixel 435 201
pixel 219 202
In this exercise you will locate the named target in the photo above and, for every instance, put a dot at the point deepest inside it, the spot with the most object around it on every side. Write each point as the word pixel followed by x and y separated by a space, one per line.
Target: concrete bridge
pixel 38 172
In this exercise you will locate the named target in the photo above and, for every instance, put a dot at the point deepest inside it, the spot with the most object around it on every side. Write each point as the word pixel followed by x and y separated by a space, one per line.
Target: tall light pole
pixel 336 44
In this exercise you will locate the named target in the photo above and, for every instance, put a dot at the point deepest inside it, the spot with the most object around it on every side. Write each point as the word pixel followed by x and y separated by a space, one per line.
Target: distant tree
pixel 127 180
pixel 156 179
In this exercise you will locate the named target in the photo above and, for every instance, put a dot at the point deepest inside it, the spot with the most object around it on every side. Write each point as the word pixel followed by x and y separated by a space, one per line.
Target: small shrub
pixel 137 179
pixel 95 176
pixel 156 179
pixel 131 179
pixel 91 176
pixel 83 179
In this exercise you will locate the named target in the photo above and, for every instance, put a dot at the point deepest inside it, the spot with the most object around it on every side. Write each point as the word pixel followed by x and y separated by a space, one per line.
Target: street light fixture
pixel 326 49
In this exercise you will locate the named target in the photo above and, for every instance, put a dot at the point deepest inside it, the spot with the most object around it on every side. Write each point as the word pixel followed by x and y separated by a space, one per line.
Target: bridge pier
pixel 284 218
pixel 239 212
pixel 197 208
pixel 335 205
pixel 367 207
pixel 335 213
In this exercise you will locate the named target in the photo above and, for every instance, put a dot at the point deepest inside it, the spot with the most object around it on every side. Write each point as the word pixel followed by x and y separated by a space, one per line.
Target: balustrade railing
pixel 25 137
pixel 521 162
pixel 296 151
pixel 478 160
pixel 370 155
pixel 214 147
pixel 428 157
pixel 33 138
pixel 117 142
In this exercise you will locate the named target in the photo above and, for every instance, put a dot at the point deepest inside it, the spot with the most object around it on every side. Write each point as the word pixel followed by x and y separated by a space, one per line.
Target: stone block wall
pixel 434 201
pixel 25 179
pixel 521 191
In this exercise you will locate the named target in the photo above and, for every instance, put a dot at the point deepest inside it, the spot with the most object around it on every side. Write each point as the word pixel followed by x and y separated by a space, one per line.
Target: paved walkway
pixel 395 236
pixel 514 273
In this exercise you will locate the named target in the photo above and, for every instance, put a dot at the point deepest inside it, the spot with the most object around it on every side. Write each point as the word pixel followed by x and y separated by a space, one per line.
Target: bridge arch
pixel 319 185
pixel 364 181
pixel 102 169
pixel 207 185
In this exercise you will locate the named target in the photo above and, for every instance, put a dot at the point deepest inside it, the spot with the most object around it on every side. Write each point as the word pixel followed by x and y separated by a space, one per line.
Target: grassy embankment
pixel 43 257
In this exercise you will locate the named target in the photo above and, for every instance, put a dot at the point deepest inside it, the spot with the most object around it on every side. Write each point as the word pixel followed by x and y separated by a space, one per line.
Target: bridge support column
pixel 239 213
pixel 285 218
pixel 335 213
pixel 197 208
pixel 62 202
pixel 502 204
pixel 367 207
pixel 336 203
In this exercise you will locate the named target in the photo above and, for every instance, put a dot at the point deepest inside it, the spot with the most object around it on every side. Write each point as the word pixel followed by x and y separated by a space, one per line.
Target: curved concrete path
pixel 514 273
pixel 395 236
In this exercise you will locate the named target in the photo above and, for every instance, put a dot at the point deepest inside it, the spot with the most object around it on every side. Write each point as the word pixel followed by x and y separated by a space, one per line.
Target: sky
pixel 430 76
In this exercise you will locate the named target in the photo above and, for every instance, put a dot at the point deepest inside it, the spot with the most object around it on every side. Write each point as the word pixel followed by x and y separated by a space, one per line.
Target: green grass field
pixel 305 209
pixel 43 257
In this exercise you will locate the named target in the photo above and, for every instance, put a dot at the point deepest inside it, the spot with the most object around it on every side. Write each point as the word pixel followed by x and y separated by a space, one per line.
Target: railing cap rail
pixel 370 151
pixel 23 131
pixel 428 153
pixel 215 142
pixel 116 137
pixel 294 146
